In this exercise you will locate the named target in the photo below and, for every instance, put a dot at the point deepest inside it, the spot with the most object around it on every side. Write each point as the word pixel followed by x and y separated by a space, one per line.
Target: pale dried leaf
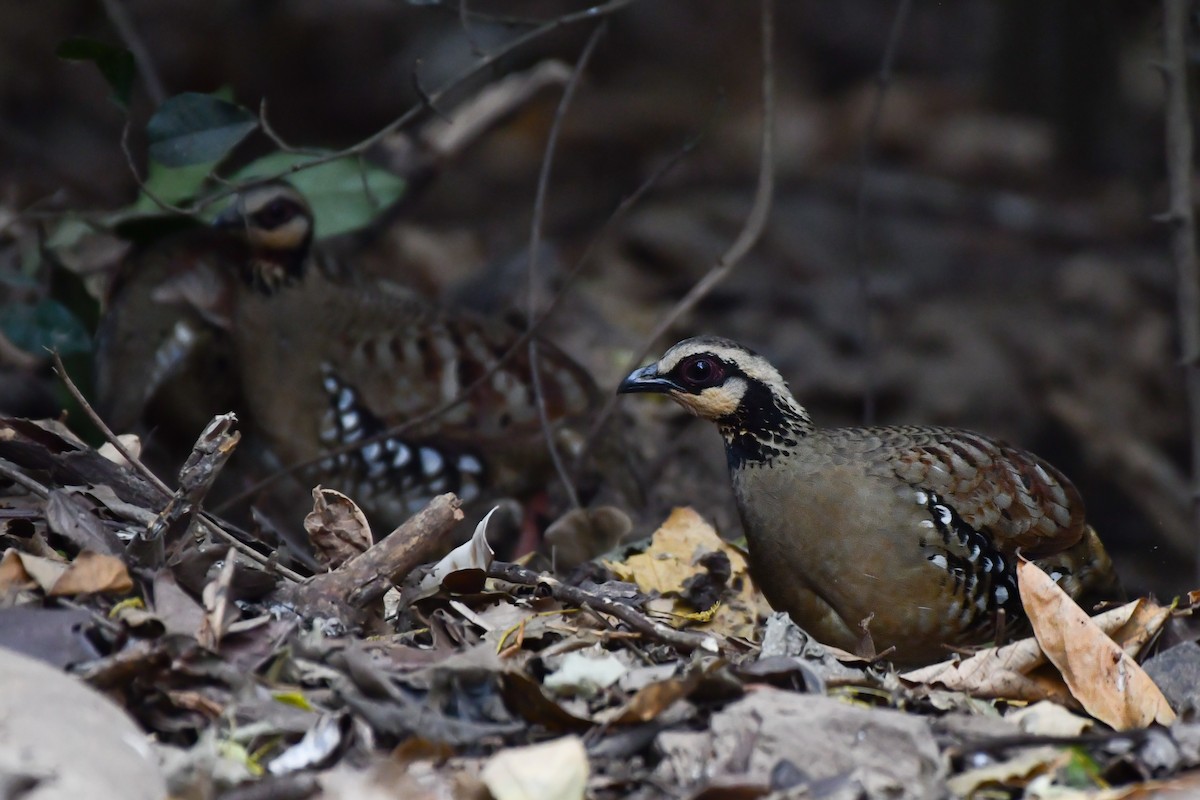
pixel 1050 719
pixel 475 553
pixel 132 443
pixel 586 672
pixel 336 527
pixel 555 770
pixel 1015 772
pixel 219 609
pixel 1102 677
pixel 72 740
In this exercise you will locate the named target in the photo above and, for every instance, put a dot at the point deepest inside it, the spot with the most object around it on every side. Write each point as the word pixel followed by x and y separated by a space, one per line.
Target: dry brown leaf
pixel 1012 671
pixel 337 528
pixel 93 573
pixel 13 575
pixel 1102 677
pixel 671 559
pixel 219 608
pixel 24 571
pixel 72 517
pixel 1143 626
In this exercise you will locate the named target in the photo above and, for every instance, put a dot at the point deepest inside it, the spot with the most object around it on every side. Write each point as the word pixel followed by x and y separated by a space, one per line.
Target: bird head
pixel 276 223
pixel 709 376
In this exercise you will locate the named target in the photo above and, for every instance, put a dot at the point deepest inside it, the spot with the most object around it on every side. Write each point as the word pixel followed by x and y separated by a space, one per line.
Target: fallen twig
pixel 13 473
pixel 365 578
pixel 684 641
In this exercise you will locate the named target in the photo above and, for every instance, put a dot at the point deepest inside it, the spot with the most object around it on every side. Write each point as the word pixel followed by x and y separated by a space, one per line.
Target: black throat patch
pixel 763 428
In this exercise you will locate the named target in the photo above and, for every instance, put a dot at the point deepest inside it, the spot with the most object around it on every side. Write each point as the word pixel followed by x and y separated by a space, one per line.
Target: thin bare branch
pixel 752 229
pixel 1182 219
pixel 137 177
pixel 270 132
pixel 109 436
pixel 154 480
pixel 121 22
pixel 428 102
pixel 13 473
pixel 866 151
pixel 535 242
pixel 684 641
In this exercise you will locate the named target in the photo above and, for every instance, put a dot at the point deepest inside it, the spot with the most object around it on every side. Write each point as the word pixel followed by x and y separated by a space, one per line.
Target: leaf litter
pixel 654 671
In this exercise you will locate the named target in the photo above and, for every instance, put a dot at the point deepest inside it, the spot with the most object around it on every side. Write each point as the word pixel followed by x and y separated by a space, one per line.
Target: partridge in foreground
pixel 909 534
pixel 329 360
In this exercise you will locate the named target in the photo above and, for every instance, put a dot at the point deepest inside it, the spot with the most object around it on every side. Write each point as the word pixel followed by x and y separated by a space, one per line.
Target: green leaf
pixel 46 325
pixel 336 190
pixel 115 64
pixel 193 128
pixel 172 184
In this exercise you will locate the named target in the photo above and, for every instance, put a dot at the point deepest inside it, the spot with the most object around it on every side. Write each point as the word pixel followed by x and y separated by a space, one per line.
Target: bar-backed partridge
pixel 910 534
pixel 328 360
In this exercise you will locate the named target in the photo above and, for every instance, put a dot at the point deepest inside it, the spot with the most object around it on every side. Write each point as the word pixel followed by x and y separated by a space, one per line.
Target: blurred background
pixel 1016 282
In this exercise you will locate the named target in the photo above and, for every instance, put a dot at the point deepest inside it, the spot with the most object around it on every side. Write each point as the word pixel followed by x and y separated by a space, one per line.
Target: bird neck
pixel 268 271
pixel 766 425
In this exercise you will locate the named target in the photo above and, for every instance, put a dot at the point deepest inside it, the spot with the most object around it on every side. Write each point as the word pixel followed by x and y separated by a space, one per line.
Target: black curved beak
pixel 646 379
pixel 230 219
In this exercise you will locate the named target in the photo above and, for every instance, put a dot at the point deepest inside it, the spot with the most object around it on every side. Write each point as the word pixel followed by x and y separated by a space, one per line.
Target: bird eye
pixel 701 371
pixel 275 213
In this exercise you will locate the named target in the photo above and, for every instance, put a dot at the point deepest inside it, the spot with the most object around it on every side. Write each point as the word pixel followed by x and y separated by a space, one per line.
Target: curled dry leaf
pixel 475 553
pixel 336 527
pixel 1012 671
pixel 1102 677
pixel 219 608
